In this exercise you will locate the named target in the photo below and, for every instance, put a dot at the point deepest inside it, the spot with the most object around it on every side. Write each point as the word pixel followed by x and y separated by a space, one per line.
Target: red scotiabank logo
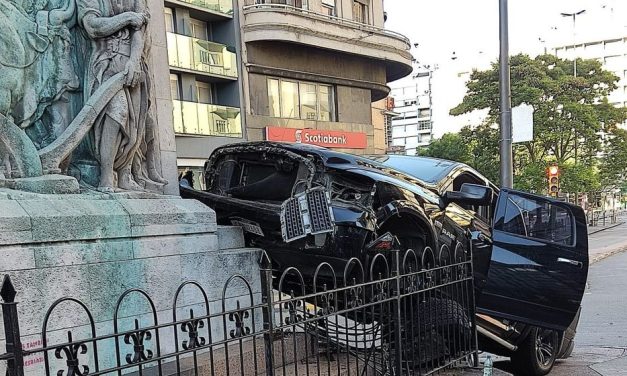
pixel 329 139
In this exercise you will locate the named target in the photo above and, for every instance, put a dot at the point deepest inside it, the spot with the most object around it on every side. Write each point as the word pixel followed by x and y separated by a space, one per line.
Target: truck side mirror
pixel 469 194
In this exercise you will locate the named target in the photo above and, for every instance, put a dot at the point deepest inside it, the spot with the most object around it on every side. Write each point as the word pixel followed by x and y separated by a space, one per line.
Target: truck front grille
pixel 306 213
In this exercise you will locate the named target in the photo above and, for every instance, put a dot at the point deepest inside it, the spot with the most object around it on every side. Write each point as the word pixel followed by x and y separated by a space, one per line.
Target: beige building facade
pixel 282 70
pixel 316 67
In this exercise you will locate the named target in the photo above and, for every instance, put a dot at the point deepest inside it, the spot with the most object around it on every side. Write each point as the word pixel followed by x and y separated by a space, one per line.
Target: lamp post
pixel 574 17
pixel 505 145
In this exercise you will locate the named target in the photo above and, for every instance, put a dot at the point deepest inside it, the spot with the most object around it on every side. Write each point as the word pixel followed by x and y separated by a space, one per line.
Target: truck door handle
pixel 578 264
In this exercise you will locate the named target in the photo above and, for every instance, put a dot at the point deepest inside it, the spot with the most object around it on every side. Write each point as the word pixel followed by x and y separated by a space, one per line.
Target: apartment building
pixel 611 52
pixel 313 68
pixel 382 114
pixel 293 70
pixel 202 40
pixel 413 125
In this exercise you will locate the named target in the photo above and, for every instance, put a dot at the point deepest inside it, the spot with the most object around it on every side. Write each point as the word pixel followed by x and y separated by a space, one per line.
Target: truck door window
pixel 539 219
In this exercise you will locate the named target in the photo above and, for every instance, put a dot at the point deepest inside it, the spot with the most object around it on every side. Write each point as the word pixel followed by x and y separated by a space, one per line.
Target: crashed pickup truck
pixel 306 205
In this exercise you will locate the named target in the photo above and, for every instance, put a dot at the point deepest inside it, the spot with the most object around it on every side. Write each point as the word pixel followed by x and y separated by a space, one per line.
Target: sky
pixel 468 30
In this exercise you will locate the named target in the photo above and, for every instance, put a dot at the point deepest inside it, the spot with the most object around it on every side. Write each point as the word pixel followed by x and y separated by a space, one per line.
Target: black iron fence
pixel 410 313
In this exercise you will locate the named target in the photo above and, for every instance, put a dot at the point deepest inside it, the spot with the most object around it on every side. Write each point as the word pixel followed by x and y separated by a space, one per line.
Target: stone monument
pixel 86 209
pixel 77 92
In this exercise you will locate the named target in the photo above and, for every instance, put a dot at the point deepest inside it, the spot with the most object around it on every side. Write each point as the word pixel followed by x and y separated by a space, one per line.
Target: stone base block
pixel 46 184
pixel 94 247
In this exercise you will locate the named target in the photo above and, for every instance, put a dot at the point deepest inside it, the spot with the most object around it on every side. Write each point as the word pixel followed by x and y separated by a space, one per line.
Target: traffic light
pixel 553 175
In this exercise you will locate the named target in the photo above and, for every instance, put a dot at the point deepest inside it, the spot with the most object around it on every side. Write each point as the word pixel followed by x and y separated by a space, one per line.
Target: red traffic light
pixel 554 170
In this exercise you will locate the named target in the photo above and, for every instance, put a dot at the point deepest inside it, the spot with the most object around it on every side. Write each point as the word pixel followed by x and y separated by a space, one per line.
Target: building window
pixel 198 29
pixel 300 100
pixel 274 97
pixel 295 3
pixel 175 89
pixel 328 7
pixel 325 95
pixel 424 125
pixel 308 101
pixel 360 11
pixel 169 20
pixel 289 99
pixel 203 92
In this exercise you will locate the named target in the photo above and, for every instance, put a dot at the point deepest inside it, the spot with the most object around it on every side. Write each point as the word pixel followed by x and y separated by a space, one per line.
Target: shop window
pixel 300 100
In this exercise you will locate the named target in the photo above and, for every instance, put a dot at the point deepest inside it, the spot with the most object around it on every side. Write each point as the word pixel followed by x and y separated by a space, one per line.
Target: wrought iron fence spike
pixel 7 292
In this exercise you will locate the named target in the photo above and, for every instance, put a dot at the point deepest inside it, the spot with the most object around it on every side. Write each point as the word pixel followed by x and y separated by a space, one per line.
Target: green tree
pixel 569 111
pixel 613 167
pixel 531 177
pixel 450 146
pixel 579 178
pixel 483 144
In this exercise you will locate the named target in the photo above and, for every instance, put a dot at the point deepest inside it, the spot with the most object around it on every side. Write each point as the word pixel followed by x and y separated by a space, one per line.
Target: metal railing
pixel 200 55
pixel 220 6
pixel 206 119
pixel 602 217
pixel 287 8
pixel 401 314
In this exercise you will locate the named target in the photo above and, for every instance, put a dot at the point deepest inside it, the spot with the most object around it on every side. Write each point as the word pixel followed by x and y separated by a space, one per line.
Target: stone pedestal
pixel 93 247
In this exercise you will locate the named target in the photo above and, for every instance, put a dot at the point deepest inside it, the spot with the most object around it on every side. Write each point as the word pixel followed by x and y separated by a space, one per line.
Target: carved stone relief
pixel 75 94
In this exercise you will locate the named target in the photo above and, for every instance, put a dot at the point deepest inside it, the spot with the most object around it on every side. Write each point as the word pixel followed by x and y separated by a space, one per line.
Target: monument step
pixel 230 237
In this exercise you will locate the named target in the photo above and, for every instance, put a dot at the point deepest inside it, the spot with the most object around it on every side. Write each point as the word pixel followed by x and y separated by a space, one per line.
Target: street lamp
pixel 574 17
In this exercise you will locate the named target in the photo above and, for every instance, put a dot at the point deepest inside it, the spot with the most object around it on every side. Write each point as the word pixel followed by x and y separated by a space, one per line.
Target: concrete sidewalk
pixel 608 242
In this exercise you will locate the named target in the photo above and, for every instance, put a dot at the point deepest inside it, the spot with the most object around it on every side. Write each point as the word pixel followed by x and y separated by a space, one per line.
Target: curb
pixel 607 254
pixel 606 228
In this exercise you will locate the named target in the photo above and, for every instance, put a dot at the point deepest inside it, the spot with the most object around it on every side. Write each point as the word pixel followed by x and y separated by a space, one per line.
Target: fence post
pixel 396 273
pixel 268 312
pixel 15 362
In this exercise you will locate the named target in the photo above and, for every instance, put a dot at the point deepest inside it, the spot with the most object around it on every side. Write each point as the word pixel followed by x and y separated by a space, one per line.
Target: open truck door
pixel 539 262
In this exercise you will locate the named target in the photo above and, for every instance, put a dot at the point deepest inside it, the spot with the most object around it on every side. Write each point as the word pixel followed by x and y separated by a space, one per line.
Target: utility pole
pixel 505 145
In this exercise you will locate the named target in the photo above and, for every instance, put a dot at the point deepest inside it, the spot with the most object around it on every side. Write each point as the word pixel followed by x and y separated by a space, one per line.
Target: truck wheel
pixel 536 354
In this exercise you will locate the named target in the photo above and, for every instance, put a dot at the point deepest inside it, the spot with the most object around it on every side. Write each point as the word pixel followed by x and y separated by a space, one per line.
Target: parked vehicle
pixel 305 205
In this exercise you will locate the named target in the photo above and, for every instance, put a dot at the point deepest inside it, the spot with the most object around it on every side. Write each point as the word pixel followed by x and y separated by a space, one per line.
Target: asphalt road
pixel 601 341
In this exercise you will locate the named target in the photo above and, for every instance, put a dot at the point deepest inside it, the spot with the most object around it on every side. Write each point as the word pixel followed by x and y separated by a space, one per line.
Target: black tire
pixel 441 313
pixel 537 353
pixel 441 329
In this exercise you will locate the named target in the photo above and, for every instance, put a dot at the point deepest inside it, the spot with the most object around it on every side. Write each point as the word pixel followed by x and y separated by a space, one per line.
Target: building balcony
pixel 199 119
pixel 197 56
pixel 287 23
pixel 217 8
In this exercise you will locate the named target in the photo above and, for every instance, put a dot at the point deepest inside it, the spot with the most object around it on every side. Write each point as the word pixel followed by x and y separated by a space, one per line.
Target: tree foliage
pixel 450 146
pixel 614 164
pixel 570 114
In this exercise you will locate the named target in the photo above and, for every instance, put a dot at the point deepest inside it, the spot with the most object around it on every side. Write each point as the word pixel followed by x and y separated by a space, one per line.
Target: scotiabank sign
pixel 328 139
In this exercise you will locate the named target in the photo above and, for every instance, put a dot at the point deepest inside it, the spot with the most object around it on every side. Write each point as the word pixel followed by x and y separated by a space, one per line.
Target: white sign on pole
pixel 522 123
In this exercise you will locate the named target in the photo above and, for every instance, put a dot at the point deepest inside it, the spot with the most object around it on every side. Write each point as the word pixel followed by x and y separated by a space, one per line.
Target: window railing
pixel 220 6
pixel 200 55
pixel 206 119
pixel 265 5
